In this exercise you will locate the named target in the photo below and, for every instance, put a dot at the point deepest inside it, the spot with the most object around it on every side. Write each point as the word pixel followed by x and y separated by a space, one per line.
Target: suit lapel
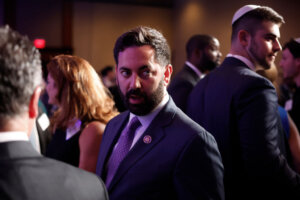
pixel 111 137
pixel 141 148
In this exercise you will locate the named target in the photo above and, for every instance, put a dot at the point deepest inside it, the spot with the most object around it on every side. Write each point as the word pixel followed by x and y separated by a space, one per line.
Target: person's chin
pixel 138 109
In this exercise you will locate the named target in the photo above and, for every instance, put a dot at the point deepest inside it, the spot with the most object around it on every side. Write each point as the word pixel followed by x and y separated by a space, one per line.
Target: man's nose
pixel 277 45
pixel 219 54
pixel 135 82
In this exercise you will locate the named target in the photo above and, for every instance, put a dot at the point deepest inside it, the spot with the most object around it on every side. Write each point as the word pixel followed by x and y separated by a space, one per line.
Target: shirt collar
pixel 147 119
pixel 13 136
pixel 244 60
pixel 195 69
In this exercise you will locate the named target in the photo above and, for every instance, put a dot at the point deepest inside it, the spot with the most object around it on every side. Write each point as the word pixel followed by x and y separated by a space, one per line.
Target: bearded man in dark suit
pixel 203 56
pixel 167 155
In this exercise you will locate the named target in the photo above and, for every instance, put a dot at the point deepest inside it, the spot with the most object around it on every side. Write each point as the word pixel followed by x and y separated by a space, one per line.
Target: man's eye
pixel 125 73
pixel 270 38
pixel 146 73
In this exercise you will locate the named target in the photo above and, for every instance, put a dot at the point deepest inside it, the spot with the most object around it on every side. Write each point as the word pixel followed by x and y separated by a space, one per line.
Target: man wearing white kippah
pixel 290 63
pixel 239 107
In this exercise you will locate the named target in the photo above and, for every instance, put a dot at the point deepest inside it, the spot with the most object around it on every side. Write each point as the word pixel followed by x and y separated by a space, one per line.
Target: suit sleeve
pixel 260 136
pixel 199 170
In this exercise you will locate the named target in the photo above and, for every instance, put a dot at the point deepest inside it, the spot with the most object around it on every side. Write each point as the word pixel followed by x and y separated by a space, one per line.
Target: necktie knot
pixel 134 124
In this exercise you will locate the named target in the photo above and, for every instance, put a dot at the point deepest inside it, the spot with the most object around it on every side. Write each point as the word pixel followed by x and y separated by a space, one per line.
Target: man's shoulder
pixel 188 128
pixel 61 169
pixel 47 178
pixel 119 118
pixel 185 75
pixel 232 75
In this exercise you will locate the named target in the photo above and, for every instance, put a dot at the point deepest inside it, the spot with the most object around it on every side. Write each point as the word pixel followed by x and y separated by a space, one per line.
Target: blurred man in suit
pixel 154 151
pixel 239 107
pixel 24 173
pixel 203 56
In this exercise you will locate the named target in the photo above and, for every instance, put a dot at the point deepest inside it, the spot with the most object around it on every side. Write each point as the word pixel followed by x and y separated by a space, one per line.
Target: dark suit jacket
pixel 295 111
pixel 181 162
pixel 181 86
pixel 239 108
pixel 25 174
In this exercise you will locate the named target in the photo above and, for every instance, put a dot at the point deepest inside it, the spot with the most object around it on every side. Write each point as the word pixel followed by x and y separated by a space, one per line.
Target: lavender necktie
pixel 123 147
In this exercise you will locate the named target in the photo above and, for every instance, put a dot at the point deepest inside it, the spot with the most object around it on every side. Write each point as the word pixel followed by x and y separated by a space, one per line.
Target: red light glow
pixel 39 43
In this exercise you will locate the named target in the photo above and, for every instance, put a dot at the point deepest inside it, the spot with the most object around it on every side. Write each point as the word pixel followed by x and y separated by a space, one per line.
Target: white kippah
pixel 242 11
pixel 297 40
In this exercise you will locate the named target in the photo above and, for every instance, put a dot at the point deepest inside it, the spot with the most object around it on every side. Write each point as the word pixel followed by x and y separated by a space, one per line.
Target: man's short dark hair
pixel 253 19
pixel 106 70
pixel 294 48
pixel 141 36
pixel 20 72
pixel 197 42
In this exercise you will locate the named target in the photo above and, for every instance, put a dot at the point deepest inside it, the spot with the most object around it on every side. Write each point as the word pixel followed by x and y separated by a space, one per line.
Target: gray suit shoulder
pixel 83 184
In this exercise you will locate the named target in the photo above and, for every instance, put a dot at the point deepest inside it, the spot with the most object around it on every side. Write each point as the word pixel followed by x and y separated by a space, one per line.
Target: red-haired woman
pixel 84 108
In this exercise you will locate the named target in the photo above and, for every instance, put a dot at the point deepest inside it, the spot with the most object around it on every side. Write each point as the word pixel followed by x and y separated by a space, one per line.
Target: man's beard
pixel 253 50
pixel 208 64
pixel 149 103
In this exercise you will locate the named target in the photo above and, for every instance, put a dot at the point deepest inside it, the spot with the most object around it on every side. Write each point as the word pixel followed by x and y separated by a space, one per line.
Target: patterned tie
pixel 123 147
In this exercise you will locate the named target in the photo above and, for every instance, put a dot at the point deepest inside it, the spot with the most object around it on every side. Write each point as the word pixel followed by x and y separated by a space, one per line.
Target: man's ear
pixel 244 38
pixel 33 104
pixel 167 74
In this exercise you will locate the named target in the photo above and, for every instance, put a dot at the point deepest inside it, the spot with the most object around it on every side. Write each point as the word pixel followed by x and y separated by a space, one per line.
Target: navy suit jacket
pixel 181 86
pixel 181 162
pixel 239 108
pixel 25 174
pixel 295 111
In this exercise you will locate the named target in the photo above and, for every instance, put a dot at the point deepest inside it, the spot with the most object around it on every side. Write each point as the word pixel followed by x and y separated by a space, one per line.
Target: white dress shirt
pixel 195 69
pixel 244 60
pixel 13 136
pixel 147 119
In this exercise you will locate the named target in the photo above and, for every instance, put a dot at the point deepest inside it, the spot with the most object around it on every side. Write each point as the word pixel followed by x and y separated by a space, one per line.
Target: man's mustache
pixel 136 92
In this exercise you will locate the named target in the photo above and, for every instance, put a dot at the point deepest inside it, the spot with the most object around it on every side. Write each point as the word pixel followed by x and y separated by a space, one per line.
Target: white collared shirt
pixel 195 69
pixel 244 60
pixel 147 119
pixel 11 136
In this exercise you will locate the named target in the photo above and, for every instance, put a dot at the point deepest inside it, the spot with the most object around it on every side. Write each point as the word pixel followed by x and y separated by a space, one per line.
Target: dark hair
pixel 197 42
pixel 294 48
pixel 106 70
pixel 20 72
pixel 253 19
pixel 141 36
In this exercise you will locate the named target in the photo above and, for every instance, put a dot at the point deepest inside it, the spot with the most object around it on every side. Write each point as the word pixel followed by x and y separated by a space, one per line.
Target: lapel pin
pixel 147 139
